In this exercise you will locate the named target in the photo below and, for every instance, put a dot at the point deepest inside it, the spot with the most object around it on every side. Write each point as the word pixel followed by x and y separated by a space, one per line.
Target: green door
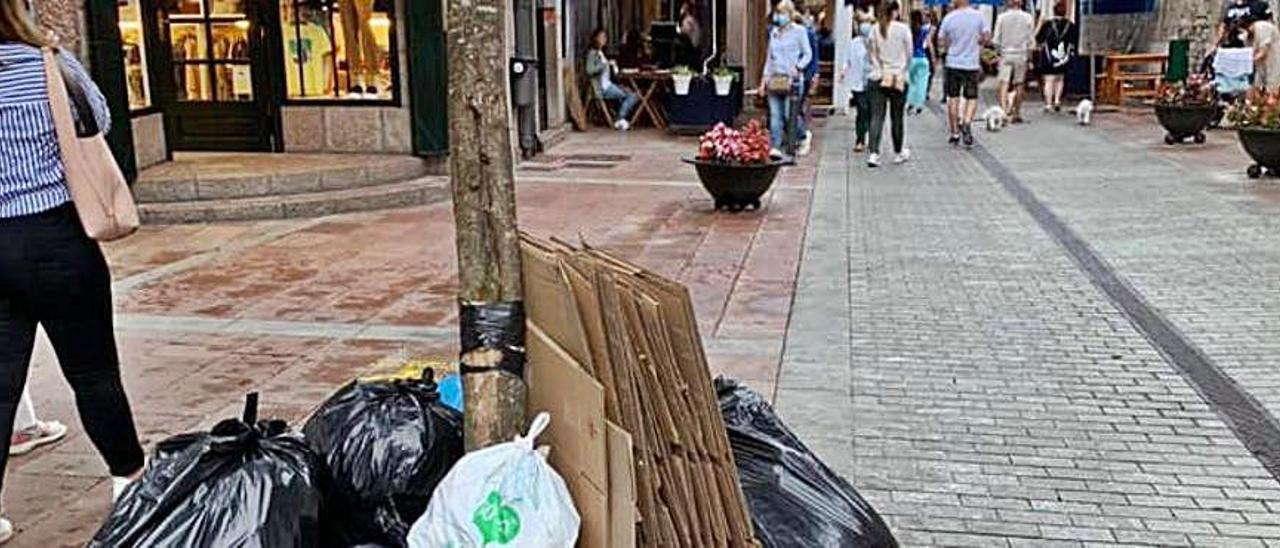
pixel 428 77
pixel 106 65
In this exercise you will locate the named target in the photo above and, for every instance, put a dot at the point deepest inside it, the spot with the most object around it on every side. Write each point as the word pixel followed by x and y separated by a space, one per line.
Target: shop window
pixel 339 49
pixel 211 51
pixel 135 54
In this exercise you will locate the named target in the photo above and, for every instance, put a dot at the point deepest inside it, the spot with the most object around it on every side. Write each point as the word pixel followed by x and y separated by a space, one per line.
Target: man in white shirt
pixel 963 33
pixel 1015 36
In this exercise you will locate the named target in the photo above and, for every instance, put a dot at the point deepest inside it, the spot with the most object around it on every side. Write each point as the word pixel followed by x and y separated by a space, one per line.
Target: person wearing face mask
pixel 856 70
pixel 789 54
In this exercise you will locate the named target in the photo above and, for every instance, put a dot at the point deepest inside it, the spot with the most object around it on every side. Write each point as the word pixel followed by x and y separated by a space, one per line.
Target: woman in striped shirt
pixel 51 274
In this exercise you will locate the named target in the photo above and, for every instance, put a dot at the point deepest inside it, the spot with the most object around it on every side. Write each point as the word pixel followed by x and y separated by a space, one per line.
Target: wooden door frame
pixel 265 62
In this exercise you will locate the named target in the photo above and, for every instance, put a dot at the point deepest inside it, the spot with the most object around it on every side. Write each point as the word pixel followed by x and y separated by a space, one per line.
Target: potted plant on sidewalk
pixel 734 165
pixel 1257 121
pixel 681 77
pixel 724 78
pixel 1185 109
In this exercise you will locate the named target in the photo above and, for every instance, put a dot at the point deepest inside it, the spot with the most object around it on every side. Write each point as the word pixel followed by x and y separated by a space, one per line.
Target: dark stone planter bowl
pixel 1263 146
pixel 1182 122
pixel 736 187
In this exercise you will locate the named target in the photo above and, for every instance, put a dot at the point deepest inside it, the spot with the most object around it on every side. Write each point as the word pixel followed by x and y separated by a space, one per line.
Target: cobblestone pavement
pixel 955 361
pixel 295 309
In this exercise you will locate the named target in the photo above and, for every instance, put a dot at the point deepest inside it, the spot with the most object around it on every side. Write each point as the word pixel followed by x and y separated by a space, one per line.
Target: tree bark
pixel 484 207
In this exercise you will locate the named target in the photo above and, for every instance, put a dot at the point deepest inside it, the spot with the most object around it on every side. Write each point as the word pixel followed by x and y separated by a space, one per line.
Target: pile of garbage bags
pixel 795 499
pixel 384 446
pixel 244 483
pixel 362 472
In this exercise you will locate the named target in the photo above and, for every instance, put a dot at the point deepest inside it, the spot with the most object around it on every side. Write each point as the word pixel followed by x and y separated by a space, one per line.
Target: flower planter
pixel 1263 146
pixel 1183 122
pixel 681 83
pixel 735 187
pixel 724 85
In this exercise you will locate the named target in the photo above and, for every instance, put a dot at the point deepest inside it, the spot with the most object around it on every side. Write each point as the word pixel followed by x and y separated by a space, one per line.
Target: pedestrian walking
pixel 1057 37
pixel 856 70
pixel 1015 37
pixel 810 82
pixel 781 80
pixel 890 48
pixel 921 69
pixel 600 69
pixel 51 274
pixel 963 32
pixel 1265 38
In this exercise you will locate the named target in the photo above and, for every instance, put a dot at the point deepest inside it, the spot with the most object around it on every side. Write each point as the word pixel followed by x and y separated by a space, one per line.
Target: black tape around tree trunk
pixel 498 326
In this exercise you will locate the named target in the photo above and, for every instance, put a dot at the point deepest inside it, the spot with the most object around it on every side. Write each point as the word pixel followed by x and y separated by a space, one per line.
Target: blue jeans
pixel 780 110
pixel 629 100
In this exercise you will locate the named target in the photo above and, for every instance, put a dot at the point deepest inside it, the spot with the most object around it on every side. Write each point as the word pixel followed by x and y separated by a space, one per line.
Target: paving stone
pixel 973 338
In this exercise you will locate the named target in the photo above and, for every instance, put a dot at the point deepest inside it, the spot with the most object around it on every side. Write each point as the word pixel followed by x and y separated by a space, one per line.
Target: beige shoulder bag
pixel 98 188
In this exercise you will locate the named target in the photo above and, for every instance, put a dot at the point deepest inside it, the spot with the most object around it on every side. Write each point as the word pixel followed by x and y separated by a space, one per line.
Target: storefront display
pixel 135 55
pixel 338 49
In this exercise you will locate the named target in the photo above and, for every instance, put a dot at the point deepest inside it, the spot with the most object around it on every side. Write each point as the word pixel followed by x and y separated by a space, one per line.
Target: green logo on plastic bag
pixel 499 523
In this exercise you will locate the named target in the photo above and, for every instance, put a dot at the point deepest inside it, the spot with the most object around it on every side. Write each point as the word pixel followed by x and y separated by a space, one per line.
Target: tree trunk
pixel 492 314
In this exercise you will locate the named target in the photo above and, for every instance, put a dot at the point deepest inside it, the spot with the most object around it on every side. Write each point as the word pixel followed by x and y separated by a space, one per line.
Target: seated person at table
pixel 600 70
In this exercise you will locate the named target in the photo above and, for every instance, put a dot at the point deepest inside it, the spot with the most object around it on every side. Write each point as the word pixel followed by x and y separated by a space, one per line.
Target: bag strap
pixel 85 120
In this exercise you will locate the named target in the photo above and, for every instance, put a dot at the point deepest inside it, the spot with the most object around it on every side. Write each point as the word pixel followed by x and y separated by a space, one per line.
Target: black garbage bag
pixel 385 446
pixel 244 484
pixel 795 500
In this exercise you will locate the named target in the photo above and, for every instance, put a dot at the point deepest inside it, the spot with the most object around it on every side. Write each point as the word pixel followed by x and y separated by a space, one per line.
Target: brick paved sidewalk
pixel 950 356
pixel 296 309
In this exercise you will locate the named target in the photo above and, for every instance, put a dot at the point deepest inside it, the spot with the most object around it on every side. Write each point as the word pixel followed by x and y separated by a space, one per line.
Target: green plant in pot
pixel 681 77
pixel 724 78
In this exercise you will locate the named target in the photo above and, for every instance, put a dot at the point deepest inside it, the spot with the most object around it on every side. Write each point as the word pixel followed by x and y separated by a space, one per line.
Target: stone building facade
pixel 260 75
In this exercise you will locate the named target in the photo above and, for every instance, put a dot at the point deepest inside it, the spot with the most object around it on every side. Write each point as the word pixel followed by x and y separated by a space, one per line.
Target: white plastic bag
pixel 504 495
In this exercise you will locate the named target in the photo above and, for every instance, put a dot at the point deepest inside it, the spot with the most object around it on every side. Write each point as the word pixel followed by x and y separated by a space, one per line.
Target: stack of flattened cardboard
pixel 615 356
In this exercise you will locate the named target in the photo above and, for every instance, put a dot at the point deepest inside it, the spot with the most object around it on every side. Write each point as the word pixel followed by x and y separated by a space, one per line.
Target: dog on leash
pixel 1084 112
pixel 995 118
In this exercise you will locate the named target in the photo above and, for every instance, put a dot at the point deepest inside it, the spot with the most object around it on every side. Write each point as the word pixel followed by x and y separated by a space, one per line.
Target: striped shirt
pixel 32 179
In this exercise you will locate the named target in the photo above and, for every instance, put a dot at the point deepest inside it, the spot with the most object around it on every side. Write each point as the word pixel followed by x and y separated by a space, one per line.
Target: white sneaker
pixel 775 154
pixel 43 433
pixel 622 125
pixel 805 145
pixel 873 160
pixel 6 530
pixel 903 156
pixel 119 483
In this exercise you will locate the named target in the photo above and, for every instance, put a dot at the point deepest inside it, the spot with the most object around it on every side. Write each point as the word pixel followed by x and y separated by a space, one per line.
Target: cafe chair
pixel 599 105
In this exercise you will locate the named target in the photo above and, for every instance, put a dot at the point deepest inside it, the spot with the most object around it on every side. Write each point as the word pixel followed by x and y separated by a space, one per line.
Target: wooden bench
pixel 1130 76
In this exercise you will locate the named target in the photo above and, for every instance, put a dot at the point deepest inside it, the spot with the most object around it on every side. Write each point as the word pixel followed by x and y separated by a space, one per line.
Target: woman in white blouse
pixel 890 47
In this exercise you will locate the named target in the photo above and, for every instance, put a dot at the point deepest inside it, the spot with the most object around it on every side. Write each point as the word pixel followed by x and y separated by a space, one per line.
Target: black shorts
pixel 962 82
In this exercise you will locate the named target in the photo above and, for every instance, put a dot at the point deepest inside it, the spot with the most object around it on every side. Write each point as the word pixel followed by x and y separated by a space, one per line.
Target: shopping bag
pixel 385 445
pixel 244 484
pixel 504 495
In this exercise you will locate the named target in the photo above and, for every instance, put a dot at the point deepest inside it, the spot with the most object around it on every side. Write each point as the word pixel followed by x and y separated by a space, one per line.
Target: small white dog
pixel 1084 112
pixel 995 118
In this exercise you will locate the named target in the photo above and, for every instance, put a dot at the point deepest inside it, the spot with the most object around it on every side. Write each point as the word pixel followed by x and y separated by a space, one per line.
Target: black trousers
pixel 894 101
pixel 54 276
